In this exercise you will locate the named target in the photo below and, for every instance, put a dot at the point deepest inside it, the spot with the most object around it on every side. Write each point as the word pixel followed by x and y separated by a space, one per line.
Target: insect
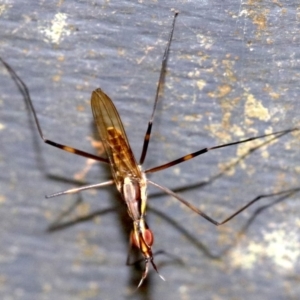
pixel 128 175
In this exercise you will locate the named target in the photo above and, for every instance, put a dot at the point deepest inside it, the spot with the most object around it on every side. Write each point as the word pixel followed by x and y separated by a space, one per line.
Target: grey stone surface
pixel 233 73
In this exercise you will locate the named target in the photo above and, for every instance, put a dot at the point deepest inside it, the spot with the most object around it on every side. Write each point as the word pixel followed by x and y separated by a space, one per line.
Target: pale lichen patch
pixel 255 109
pixel 56 30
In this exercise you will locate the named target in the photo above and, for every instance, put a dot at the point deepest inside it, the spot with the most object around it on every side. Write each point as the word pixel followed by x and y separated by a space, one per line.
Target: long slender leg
pixel 25 92
pixel 160 82
pixel 204 150
pixel 205 216
pixel 83 188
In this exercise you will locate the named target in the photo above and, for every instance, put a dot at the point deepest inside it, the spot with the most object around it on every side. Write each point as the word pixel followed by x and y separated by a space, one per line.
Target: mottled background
pixel 233 72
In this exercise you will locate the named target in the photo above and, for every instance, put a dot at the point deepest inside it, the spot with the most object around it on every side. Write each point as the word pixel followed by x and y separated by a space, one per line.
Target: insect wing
pixel 113 136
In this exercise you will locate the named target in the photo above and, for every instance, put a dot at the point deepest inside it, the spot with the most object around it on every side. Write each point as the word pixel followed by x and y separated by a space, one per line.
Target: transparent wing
pixel 113 136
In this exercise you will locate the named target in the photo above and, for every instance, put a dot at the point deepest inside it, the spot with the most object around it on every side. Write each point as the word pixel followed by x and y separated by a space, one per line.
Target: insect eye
pixel 133 239
pixel 148 237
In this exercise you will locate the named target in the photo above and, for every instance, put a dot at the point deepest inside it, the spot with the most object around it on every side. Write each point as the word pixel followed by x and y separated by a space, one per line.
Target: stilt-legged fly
pixel 128 175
